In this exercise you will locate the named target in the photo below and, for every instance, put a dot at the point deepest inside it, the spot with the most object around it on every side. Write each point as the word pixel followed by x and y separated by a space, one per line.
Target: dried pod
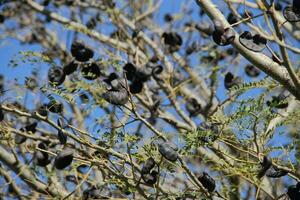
pixel 136 87
pixel 172 40
pixel 70 68
pixel 156 71
pixel 265 165
pixel 42 110
pixel 148 165
pixel 31 127
pixel 225 37
pixel 62 137
pixel 252 71
pixel 207 182
pixel 56 76
pixel 168 151
pixel 255 42
pixel 193 107
pixel 91 71
pixel 291 14
pixel 116 97
pixel 231 81
pixel 41 157
pixel 232 19
pixel 80 52
pixel 150 178
pixel 274 172
pixel 63 159
pixel 1 114
pixel 294 192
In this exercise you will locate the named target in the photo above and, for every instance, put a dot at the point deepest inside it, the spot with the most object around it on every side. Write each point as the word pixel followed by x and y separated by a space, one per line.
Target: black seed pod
pixel 207 182
pixel 136 87
pixel 41 157
pixel 148 165
pixel 62 137
pixel 116 97
pixel 173 40
pixel 255 42
pixel 193 107
pixel 63 159
pixel 70 68
pixel 231 81
pixel 31 127
pixel 168 151
pixel 232 19
pixel 274 172
pixel 252 71
pixel 56 76
pixel 294 192
pixel 278 102
pixel 150 178
pixel 42 110
pixel 1 114
pixel 265 165
pixel 80 52
pixel 91 71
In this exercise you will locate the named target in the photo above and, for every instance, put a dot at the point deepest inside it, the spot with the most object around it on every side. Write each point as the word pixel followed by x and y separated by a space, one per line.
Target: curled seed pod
pixel 168 151
pixel 294 192
pixel 116 97
pixel 62 137
pixel 91 71
pixel 63 159
pixel 193 107
pixel 136 87
pixel 41 157
pixel 80 52
pixel 148 165
pixel 31 127
pixel 70 68
pixel 207 182
pixel 156 71
pixel 231 81
pixel 265 165
pixel 83 169
pixel 274 172
pixel 173 41
pixel 55 106
pixel 224 38
pixel 255 42
pixel 56 76
pixel 1 114
pixel 150 178
pixel 291 14
pixel 42 110
pixel 278 102
pixel 252 71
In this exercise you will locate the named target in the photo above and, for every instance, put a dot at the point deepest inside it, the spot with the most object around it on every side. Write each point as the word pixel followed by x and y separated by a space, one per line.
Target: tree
pixel 125 100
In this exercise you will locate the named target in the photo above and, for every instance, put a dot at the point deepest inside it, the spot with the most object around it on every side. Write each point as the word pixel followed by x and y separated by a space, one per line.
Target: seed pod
pixel 291 14
pixel 207 182
pixel 274 172
pixel 136 87
pixel 70 68
pixel 91 71
pixel 231 81
pixel 193 107
pixel 265 165
pixel 55 106
pixel 63 159
pixel 168 151
pixel 80 52
pixel 148 165
pixel 116 97
pixel 225 37
pixel 173 41
pixel 252 71
pixel 62 137
pixel 42 110
pixel 31 127
pixel 150 178
pixel 56 76
pixel 294 192
pixel 255 42
pixel 232 19
pixel 156 71
pixel 278 102
pixel 41 157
